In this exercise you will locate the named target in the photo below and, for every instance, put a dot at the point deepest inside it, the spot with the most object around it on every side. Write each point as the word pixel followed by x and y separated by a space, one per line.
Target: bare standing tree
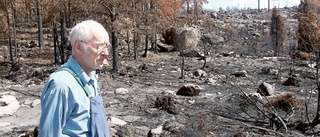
pixel 154 26
pixel 40 27
pixel 63 31
pixel 14 28
pixel 308 38
pixel 307 24
pixel 113 9
pixel 146 20
pixel 55 44
pixel 277 32
pixel 5 6
pixel 137 27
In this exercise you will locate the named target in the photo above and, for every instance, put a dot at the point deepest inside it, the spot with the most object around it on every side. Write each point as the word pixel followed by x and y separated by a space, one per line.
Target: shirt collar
pixel 74 65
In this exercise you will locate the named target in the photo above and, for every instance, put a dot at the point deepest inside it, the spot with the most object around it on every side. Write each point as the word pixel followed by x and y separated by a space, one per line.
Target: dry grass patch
pixel 285 101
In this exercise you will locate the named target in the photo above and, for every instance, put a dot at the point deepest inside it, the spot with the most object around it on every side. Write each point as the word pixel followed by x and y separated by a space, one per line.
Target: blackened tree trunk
pixel 146 14
pixel 188 7
pixel 115 61
pixel 182 65
pixel 154 39
pixel 128 42
pixel 136 42
pixel 55 44
pixel 111 6
pixel 115 54
pixel 63 31
pixel 146 46
pixel 69 14
pixel 154 28
pixel 40 28
pixel 317 117
pixel 136 29
pixel 14 30
pixel 9 35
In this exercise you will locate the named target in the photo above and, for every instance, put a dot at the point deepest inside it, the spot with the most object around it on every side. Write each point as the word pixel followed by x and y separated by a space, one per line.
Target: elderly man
pixel 70 101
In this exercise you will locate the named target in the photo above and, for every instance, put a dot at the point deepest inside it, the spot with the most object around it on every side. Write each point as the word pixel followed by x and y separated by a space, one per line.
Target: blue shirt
pixel 65 107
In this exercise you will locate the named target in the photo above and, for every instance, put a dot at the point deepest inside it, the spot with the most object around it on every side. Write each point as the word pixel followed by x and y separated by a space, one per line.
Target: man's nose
pixel 105 51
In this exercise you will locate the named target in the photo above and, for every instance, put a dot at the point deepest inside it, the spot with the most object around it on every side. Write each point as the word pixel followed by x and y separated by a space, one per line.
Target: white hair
pixel 88 30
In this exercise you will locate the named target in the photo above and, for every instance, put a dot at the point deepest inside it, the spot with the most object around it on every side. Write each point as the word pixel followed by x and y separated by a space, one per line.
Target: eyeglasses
pixel 98 47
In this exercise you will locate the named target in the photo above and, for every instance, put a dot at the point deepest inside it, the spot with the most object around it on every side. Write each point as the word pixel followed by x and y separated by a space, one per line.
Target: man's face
pixel 95 54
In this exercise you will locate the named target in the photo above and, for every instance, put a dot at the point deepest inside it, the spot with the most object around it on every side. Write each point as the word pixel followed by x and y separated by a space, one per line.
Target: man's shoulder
pixel 61 75
pixel 60 78
pixel 61 81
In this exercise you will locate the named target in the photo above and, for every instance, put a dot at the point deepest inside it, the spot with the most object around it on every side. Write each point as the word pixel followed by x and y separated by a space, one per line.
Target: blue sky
pixel 215 4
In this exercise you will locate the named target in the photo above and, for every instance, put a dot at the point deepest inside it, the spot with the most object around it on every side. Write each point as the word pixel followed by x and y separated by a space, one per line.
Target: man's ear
pixel 77 47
